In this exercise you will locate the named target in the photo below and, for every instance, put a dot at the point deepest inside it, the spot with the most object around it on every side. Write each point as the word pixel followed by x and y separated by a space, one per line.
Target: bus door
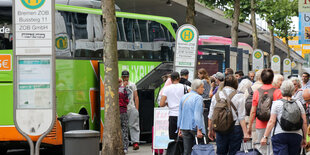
pixel 146 92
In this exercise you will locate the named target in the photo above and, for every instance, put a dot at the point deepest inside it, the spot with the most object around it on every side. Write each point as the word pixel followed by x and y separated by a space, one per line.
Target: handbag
pixel 175 147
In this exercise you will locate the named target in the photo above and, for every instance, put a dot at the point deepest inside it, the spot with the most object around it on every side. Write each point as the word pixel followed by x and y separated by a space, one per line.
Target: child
pixel 123 102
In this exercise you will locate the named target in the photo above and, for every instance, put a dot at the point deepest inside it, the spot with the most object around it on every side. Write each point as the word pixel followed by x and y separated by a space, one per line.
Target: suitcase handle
pixel 204 140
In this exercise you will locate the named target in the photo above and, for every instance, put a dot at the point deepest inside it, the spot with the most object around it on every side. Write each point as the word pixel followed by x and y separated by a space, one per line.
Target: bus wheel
pixel 3 150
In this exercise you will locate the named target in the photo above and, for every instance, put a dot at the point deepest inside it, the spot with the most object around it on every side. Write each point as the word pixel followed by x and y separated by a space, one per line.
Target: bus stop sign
pixel 34 66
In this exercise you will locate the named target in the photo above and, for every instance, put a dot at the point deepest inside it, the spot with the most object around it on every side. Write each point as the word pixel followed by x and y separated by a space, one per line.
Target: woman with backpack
pixel 288 119
pixel 226 118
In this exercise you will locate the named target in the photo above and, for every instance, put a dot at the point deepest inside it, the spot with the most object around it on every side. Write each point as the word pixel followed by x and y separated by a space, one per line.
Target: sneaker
pixel 135 146
pixel 125 151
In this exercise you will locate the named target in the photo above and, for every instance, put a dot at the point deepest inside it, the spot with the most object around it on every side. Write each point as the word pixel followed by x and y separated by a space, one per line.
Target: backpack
pixel 291 116
pixel 185 89
pixel 222 119
pixel 248 102
pixel 264 104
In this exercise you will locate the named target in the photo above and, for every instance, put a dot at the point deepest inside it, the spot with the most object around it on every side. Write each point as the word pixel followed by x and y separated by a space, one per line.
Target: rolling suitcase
pixel 203 149
pixel 248 151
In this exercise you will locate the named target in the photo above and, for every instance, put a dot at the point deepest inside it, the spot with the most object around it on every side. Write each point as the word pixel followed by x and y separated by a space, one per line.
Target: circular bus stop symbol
pixel 187 35
pixel 275 59
pixel 32 4
pixel 257 55
pixel 287 62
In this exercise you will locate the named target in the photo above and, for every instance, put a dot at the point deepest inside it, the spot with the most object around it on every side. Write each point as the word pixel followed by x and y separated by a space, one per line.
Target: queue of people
pixel 260 106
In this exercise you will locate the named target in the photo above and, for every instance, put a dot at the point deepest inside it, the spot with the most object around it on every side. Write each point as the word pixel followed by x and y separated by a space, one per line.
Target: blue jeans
pixel 286 144
pixel 229 143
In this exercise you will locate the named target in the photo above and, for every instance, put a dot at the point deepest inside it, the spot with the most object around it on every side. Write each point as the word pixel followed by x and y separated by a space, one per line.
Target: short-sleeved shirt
pixel 276 95
pixel 174 93
pixel 306 86
pixel 277 108
pixel 131 88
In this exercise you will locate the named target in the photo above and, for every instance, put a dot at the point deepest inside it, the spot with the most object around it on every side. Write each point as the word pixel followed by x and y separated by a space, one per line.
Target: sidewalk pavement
pixel 145 149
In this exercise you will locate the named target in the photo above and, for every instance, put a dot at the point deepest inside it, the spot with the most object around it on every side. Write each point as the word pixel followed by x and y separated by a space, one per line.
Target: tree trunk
pixel 288 48
pixel 272 44
pixel 235 24
pixel 112 138
pixel 253 22
pixel 190 12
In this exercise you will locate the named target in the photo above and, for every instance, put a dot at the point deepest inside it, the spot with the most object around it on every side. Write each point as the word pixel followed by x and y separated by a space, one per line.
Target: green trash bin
pixel 81 142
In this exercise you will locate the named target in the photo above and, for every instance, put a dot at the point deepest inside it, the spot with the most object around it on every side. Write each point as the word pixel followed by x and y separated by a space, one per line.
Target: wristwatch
pixel 265 137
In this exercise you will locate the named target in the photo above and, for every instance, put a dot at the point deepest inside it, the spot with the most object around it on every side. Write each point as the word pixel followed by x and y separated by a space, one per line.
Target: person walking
pixel 229 71
pixel 123 102
pixel 219 78
pixel 132 110
pixel 297 94
pixel 264 95
pixel 203 75
pixel 305 80
pixel 184 77
pixel 173 94
pixel 248 95
pixel 251 76
pixel 190 120
pixel 277 80
pixel 230 142
pixel 288 120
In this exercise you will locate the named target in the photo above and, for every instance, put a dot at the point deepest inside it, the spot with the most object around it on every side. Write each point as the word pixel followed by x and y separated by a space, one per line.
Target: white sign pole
pixel 34 68
pixel 258 60
pixel 276 64
pixel 287 68
pixel 185 56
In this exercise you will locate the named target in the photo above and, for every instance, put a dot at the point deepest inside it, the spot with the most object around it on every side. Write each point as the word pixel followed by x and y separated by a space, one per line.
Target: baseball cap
pixel 184 72
pixel 219 76
pixel 125 73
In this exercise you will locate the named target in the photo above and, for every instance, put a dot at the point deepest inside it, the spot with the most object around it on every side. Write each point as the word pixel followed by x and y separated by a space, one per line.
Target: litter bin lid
pixel 73 117
pixel 82 133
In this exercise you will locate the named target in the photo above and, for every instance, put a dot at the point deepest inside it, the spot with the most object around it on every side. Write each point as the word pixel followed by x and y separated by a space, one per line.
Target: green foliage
pixel 279 14
pixel 228 6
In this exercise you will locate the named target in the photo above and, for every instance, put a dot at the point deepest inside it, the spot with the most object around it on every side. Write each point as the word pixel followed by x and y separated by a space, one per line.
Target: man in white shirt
pixel 173 94
pixel 132 111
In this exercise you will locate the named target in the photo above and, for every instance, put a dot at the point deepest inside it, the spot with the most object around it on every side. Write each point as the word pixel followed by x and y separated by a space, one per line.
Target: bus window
pixel 143 30
pixel 6 39
pixel 156 33
pixel 128 25
pixel 80 26
pixel 120 26
pixel 83 26
pixel 137 31
pixel 63 34
pixel 98 31
pixel 175 27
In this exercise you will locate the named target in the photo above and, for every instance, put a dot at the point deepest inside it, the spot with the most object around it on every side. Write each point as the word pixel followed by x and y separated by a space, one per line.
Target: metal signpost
pixel 258 60
pixel 34 69
pixel 276 64
pixel 287 68
pixel 185 56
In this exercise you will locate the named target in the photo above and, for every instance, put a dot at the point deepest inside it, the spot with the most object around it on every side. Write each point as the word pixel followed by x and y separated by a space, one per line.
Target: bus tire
pixel 3 150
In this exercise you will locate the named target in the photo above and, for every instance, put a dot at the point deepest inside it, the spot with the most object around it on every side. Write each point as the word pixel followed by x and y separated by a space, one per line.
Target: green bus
pixel 144 43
